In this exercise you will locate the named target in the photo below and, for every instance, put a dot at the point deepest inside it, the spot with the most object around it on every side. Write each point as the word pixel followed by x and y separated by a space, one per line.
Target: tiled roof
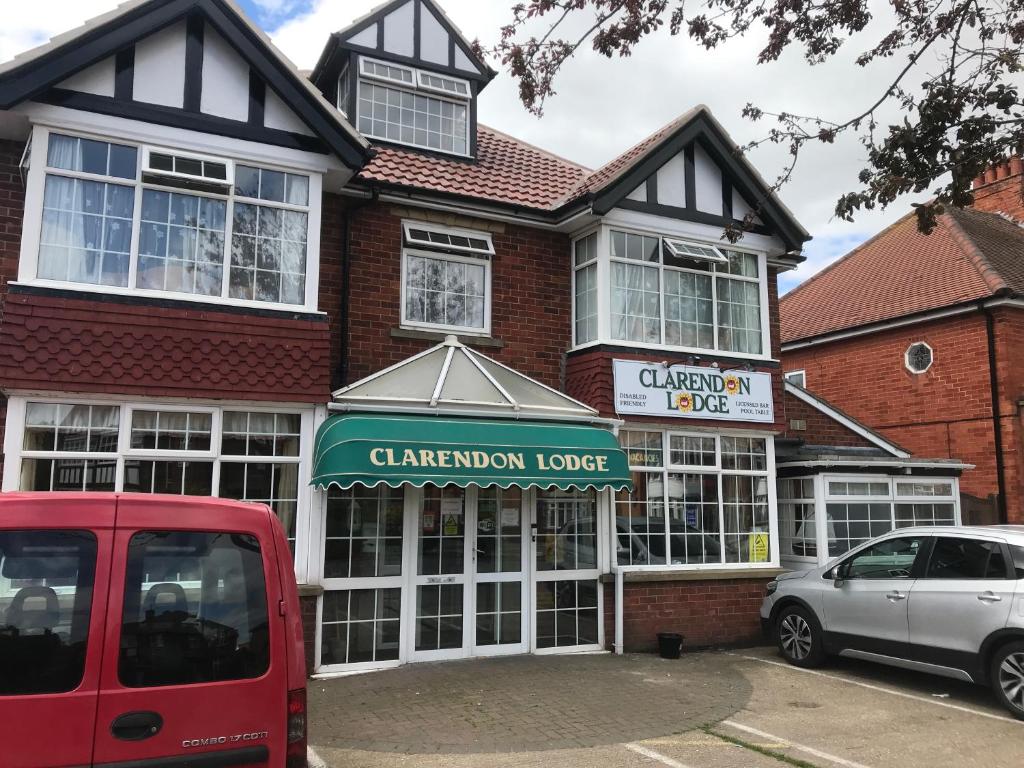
pixel 615 168
pixel 900 271
pixel 507 171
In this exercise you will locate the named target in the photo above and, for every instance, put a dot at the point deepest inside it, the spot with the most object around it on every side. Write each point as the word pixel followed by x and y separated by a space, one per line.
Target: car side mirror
pixel 838 576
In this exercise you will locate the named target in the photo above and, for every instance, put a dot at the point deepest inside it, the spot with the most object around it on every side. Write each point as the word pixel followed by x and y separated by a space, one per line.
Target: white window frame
pixel 793 376
pixel 416 88
pixel 33 216
pixel 717 470
pixel 889 498
pixel 148 150
pixel 783 521
pixel 604 290
pixel 931 358
pixel 447 255
pixel 576 268
pixel 344 87
pixel 412 242
pixel 14 450
pixel 421 76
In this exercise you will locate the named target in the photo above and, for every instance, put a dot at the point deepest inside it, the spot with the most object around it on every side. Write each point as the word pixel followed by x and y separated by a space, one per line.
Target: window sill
pixel 438 336
pixel 677 353
pixel 698 574
pixel 310 590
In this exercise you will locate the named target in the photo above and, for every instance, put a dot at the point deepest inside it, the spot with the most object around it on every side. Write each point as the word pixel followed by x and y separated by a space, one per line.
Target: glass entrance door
pixel 440 576
pixel 498 573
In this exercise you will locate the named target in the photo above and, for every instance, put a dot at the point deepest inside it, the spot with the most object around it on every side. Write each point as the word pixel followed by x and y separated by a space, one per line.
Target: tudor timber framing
pixel 35 77
pixel 700 128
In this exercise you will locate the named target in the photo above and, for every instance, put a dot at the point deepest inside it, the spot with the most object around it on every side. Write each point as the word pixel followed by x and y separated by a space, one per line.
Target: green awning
pixel 371 449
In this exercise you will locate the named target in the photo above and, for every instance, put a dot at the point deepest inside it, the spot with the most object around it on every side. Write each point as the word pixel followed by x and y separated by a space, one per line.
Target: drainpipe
pixel 997 427
pixel 620 571
pixel 346 271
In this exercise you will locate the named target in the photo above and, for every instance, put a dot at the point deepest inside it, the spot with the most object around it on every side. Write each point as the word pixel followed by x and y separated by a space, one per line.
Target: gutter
pixel 480 413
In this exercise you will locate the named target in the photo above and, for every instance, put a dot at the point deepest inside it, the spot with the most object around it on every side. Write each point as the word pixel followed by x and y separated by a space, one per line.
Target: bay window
pixel 698 499
pixel 858 508
pixel 126 217
pixel 233 452
pixel 668 293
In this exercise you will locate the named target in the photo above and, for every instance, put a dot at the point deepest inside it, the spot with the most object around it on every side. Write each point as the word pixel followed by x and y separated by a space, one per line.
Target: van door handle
pixel 990 597
pixel 136 726
pixel 894 596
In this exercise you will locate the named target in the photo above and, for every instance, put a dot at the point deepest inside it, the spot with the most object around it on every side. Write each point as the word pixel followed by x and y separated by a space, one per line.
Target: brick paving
pixel 523 703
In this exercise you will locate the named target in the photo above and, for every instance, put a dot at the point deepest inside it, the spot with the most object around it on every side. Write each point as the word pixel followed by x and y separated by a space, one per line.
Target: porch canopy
pixel 370 449
pixel 450 415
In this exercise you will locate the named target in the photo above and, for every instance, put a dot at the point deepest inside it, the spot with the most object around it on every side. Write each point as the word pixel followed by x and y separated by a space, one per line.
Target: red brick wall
pixel 12 207
pixel 945 412
pixel 531 289
pixel 331 247
pixel 307 605
pixel 1001 190
pixel 821 429
pixel 705 613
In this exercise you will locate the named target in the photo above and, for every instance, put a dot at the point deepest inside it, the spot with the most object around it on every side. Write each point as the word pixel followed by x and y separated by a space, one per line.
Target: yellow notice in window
pixel 758 543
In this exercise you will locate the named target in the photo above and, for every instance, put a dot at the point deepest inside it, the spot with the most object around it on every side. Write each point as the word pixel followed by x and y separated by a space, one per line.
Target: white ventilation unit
pixel 431 236
pixel 168 166
pixel 686 250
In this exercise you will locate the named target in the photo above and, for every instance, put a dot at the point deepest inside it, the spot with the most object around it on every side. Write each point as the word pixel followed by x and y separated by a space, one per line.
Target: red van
pixel 140 630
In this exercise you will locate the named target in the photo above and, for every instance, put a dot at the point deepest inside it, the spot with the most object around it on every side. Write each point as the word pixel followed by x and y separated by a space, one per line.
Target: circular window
pixel 918 357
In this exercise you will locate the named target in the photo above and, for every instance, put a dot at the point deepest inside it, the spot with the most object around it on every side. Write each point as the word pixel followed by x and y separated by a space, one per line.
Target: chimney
pixel 1000 188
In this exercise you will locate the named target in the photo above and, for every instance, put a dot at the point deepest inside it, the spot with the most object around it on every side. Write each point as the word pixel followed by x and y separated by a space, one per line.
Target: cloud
pixel 603 106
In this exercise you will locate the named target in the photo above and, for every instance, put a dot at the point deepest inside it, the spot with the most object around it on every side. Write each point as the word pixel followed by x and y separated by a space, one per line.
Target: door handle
pixel 990 597
pixel 136 726
pixel 894 596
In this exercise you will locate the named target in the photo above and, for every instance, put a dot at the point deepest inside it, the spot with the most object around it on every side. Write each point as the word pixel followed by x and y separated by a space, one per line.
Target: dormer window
pixel 405 105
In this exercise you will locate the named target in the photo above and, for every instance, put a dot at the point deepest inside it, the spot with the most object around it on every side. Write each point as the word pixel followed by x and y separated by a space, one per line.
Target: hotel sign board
pixel 692 392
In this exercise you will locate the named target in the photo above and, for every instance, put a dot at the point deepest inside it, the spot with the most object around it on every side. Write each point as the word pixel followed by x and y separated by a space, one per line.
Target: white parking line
pixel 663 759
pixel 789 742
pixel 881 689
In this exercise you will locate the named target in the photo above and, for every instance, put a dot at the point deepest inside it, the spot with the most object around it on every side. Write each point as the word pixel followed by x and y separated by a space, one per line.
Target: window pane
pixel 195 609
pixel 954 558
pixel 689 314
pixel 46 586
pixel 739 316
pixel 694 518
pixel 388 113
pixel 636 309
pixel 640 521
pixel 268 254
pixel 364 532
pixel 643 449
pixel 86 231
pixel 444 292
pixel 360 625
pixel 181 243
pixel 586 304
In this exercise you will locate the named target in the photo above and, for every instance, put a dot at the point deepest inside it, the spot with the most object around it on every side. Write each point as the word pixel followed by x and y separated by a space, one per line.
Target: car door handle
pixel 990 597
pixel 136 726
pixel 894 596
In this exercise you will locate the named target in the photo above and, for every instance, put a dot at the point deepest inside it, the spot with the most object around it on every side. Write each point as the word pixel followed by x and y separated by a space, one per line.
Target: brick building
pixel 476 381
pixel 920 338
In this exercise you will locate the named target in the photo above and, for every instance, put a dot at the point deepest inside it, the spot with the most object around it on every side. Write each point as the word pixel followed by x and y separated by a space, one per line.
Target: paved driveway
pixel 743 709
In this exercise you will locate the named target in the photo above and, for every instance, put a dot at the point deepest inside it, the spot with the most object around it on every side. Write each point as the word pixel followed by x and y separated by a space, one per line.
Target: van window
pixel 195 609
pixel 46 585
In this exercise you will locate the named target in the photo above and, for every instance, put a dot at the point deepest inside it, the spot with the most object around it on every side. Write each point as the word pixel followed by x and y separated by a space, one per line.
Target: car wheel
pixel 799 637
pixel 1007 676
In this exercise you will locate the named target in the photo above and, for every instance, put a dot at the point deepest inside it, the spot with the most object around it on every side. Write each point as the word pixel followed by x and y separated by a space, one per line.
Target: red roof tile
pixel 507 171
pixel 970 255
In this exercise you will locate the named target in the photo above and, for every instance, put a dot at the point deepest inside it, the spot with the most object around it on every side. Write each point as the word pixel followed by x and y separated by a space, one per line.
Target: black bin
pixel 670 645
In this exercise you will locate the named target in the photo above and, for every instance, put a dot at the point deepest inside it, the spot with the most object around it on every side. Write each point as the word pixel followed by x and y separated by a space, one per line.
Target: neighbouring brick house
pixel 920 337
pixel 475 380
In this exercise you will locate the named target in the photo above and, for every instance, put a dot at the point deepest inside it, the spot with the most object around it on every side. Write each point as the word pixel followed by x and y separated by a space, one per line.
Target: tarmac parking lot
pixel 716 709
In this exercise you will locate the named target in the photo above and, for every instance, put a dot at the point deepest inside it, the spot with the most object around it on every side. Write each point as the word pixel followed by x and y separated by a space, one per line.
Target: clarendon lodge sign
pixel 655 389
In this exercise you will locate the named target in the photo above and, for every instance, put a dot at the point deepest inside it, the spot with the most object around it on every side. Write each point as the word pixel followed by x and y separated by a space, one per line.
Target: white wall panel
pixel 225 79
pixel 160 67
pixel 741 208
pixel 639 194
pixel 367 38
pixel 276 114
pixel 708 183
pixel 398 30
pixel 433 38
pixel 463 62
pixel 97 79
pixel 672 182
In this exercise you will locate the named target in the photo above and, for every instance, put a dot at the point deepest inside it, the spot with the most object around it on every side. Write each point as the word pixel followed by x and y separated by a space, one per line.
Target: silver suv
pixel 944 600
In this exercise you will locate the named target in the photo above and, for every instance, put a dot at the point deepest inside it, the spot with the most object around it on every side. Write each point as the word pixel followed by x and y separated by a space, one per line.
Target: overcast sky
pixel 605 106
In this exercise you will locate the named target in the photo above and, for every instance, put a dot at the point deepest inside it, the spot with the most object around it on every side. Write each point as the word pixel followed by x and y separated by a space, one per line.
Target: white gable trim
pixel 846 421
